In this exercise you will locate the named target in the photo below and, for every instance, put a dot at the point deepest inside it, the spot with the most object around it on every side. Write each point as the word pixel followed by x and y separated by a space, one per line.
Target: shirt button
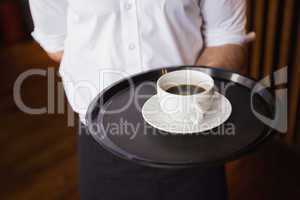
pixel 132 46
pixel 128 6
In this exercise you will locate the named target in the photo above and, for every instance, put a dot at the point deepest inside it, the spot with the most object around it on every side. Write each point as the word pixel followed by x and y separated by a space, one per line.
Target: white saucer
pixel 219 113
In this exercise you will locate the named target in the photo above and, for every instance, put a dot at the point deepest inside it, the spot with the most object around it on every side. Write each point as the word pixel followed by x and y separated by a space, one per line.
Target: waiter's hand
pixel 57 56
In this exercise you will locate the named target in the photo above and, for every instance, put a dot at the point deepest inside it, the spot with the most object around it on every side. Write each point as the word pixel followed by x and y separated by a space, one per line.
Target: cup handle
pixel 199 114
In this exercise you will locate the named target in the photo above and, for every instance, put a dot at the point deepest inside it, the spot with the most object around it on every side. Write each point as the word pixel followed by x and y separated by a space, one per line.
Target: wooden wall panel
pixel 270 39
pixel 285 42
pixel 277 45
pixel 294 92
pixel 259 10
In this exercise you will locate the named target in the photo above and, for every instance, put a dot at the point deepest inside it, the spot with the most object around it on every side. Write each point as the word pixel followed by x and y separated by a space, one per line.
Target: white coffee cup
pixel 185 108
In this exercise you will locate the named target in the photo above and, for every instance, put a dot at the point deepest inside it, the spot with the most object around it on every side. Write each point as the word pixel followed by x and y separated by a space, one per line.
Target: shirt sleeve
pixel 224 22
pixel 49 17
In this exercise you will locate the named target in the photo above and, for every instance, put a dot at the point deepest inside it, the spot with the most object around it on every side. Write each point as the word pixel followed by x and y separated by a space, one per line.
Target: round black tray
pixel 115 120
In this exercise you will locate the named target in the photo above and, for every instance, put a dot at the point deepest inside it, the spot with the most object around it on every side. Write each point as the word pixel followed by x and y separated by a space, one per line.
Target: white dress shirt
pixel 106 40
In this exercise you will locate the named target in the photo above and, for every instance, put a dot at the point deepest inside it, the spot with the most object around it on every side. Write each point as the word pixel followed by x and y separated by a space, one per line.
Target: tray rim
pixel 247 82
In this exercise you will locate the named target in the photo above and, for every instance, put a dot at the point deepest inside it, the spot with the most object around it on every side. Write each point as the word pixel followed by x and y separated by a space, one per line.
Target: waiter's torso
pixel 111 39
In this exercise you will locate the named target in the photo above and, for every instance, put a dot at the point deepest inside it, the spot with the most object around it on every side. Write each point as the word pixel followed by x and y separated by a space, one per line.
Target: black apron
pixel 105 176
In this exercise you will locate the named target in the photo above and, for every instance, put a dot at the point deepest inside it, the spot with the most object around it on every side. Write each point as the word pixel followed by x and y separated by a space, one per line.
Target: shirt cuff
pixel 219 37
pixel 50 43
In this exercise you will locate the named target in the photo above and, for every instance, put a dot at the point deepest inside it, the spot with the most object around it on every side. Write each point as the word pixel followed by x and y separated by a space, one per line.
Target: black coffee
pixel 185 89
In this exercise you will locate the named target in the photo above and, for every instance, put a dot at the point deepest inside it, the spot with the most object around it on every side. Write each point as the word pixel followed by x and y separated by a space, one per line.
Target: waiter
pixel 98 42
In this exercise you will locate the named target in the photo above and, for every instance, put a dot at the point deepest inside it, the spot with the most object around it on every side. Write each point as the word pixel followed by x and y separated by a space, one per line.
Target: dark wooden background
pixel 277 27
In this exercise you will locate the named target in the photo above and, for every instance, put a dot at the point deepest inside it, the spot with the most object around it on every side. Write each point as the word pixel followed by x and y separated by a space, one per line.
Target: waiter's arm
pixel 49 17
pixel 224 34
pixel 229 56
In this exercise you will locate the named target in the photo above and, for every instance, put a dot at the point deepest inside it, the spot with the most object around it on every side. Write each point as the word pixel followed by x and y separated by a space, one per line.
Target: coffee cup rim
pixel 211 85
